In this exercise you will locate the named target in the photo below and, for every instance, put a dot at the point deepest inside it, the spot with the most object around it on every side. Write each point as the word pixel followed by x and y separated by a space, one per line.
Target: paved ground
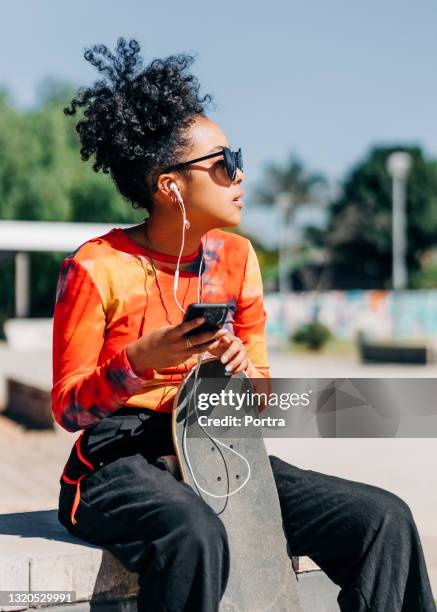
pixel 31 461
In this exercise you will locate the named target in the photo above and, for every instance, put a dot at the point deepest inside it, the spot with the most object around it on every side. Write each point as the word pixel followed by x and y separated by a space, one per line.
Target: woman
pixel 119 354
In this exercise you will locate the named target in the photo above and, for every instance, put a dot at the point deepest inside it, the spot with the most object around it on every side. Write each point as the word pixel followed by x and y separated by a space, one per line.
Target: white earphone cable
pixel 185 224
pixel 176 276
pixel 184 444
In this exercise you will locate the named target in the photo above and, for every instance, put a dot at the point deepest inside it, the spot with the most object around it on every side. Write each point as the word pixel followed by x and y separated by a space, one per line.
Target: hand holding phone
pixel 214 315
pixel 167 346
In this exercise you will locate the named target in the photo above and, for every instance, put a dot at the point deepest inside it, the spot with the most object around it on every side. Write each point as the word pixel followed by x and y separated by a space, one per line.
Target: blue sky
pixel 322 79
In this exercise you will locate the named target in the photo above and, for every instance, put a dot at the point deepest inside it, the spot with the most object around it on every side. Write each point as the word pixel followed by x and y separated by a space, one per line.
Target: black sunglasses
pixel 233 160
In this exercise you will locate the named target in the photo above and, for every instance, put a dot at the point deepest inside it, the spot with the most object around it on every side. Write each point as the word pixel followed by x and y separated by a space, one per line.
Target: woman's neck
pixel 166 238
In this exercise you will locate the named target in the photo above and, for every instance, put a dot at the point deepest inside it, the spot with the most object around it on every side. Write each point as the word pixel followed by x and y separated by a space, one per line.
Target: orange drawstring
pixel 76 482
pixel 76 501
pixel 81 457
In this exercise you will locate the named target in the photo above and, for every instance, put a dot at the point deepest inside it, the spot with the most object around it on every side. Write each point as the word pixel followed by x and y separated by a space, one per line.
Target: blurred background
pixel 334 107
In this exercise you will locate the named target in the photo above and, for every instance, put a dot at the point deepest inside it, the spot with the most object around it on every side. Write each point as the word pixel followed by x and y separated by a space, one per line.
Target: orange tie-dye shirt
pixel 107 296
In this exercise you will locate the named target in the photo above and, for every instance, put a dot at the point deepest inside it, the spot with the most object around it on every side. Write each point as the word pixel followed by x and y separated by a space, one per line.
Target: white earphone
pixel 185 226
pixel 175 189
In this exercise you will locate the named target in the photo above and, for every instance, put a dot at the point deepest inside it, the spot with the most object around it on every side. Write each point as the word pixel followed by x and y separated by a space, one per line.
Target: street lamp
pixel 399 166
pixel 284 203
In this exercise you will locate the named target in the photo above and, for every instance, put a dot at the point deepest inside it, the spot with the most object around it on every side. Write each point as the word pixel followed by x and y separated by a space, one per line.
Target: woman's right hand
pixel 167 346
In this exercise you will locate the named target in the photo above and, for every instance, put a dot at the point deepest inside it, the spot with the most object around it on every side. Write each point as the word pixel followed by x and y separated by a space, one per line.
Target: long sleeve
pixel 83 392
pixel 250 318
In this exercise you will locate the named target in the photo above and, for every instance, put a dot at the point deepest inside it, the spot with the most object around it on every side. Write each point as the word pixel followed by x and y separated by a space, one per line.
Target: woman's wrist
pixel 250 370
pixel 136 359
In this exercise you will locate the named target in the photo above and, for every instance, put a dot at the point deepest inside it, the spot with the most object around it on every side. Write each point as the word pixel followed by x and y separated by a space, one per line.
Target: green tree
pixel 43 178
pixel 359 236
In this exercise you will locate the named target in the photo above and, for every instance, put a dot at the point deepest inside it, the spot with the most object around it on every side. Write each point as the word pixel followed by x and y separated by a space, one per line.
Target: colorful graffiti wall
pixel 379 314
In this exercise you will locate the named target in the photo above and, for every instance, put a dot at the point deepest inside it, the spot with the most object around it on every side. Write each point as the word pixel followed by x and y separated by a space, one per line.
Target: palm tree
pixel 290 178
pixel 289 186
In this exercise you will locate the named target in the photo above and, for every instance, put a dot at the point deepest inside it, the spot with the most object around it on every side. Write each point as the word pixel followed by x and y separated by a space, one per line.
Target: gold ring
pixel 188 342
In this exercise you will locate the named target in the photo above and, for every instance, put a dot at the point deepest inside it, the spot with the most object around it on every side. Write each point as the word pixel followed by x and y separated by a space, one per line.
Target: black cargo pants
pixel 362 536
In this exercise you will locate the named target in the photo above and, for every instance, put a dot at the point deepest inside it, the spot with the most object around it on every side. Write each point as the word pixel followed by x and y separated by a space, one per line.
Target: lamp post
pixel 399 166
pixel 284 203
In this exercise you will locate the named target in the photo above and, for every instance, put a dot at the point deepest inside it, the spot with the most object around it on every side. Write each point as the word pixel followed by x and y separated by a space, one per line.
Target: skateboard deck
pixel 261 576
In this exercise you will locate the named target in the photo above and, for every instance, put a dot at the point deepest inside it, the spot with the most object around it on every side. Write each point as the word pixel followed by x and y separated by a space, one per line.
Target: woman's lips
pixel 238 199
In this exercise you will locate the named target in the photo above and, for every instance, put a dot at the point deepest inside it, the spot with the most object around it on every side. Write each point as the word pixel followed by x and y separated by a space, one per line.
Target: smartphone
pixel 214 314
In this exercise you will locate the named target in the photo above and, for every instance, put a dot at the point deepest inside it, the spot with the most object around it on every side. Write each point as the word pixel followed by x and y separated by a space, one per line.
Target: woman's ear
pixel 164 185
pixel 171 196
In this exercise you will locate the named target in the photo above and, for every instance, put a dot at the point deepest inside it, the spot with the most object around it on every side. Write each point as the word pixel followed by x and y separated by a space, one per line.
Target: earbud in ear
pixel 175 189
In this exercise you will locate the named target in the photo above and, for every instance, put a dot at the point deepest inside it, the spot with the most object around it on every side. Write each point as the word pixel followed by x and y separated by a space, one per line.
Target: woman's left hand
pixel 232 353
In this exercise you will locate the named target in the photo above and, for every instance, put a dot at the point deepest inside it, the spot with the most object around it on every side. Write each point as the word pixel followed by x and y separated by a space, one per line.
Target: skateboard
pixel 233 475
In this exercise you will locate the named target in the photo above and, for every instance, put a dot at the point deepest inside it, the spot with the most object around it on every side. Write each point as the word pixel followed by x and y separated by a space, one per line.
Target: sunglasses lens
pixel 240 160
pixel 230 164
pixel 233 160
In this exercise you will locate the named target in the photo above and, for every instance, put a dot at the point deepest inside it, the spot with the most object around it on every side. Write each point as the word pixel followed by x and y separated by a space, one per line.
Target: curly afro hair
pixel 135 121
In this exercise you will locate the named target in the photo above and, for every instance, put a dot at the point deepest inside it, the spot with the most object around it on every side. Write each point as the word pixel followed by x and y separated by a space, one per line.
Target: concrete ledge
pixel 38 554
pixel 28 404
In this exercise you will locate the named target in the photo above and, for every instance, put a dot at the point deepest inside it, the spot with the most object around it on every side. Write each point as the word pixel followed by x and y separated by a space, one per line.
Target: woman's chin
pixel 234 217
pixel 229 217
